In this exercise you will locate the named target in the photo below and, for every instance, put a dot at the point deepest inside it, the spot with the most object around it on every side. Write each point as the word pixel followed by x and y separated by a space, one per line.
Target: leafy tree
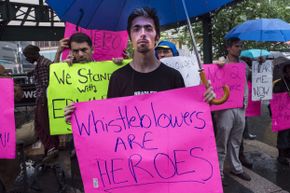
pixel 227 18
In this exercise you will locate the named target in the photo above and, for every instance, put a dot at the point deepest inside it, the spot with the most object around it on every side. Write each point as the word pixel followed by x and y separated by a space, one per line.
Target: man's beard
pixel 143 49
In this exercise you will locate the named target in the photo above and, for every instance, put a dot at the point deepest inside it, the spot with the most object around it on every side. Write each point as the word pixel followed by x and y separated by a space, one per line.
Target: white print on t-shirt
pixel 143 92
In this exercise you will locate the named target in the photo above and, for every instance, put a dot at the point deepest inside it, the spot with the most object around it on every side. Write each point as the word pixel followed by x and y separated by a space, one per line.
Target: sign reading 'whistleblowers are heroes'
pixel 147 143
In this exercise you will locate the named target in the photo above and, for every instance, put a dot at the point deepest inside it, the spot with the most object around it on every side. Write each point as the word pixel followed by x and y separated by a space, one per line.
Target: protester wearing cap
pixel 166 49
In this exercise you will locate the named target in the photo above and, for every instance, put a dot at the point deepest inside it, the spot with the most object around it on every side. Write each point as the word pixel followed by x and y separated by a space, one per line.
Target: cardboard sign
pixel 142 144
pixel 233 75
pixel 7 121
pixel 80 82
pixel 262 81
pixel 280 107
pixel 254 107
pixel 187 66
pixel 106 44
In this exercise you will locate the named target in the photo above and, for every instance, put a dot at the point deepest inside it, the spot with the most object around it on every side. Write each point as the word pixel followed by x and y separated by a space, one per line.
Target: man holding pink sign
pixel 145 74
pixel 280 115
pixel 230 123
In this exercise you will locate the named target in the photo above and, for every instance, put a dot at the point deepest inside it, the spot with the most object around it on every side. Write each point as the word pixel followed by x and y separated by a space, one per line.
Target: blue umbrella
pixel 112 14
pixel 254 53
pixel 266 30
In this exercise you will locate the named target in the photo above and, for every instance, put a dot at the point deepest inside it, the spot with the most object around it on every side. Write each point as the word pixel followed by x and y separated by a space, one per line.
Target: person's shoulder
pixel 172 74
pixel 168 69
pixel 45 60
pixel 122 71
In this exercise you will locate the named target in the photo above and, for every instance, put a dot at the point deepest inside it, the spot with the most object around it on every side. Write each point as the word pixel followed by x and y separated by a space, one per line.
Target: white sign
pixel 262 76
pixel 187 66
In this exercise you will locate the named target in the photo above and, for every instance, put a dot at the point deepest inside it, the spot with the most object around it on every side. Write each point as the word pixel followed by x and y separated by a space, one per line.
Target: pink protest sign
pixel 107 44
pixel 233 75
pixel 147 143
pixel 7 122
pixel 254 107
pixel 280 107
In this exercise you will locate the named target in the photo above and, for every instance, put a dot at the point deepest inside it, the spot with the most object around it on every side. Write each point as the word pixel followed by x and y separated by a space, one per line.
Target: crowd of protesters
pixel 146 74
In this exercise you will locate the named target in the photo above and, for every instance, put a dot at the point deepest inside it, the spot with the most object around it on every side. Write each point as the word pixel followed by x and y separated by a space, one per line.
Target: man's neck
pixel 144 63
pixel 232 59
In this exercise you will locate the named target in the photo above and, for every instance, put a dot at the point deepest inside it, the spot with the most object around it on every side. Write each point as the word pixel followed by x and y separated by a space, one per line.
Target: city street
pixel 267 174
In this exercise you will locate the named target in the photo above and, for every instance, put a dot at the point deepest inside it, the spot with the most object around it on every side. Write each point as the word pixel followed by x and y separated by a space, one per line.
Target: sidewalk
pixel 268 176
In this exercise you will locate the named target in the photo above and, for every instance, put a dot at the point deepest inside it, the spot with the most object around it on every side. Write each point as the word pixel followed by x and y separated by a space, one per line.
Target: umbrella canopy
pixel 279 65
pixel 281 62
pixel 113 14
pixel 254 53
pixel 266 30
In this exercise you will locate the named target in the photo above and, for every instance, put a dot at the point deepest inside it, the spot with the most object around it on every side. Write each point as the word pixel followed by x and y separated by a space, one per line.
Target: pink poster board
pixel 147 143
pixel 107 44
pixel 254 107
pixel 280 107
pixel 233 75
pixel 7 121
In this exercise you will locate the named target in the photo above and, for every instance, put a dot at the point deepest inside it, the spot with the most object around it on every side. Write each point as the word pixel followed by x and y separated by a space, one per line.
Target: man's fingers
pixel 117 61
pixel 208 90
pixel 62 44
pixel 209 94
pixel 68 110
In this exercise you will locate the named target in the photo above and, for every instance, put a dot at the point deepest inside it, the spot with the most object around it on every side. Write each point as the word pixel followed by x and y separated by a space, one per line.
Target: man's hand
pixel 62 44
pixel 69 59
pixel 68 111
pixel 221 62
pixel 118 61
pixel 209 93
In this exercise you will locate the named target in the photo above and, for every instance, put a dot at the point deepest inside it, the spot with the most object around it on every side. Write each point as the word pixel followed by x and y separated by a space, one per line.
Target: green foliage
pixel 227 18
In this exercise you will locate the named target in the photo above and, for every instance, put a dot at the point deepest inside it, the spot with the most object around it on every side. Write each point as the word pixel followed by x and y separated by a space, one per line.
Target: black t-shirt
pixel 127 82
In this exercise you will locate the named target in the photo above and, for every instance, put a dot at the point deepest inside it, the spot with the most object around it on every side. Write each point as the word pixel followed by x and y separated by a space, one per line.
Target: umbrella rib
pixel 284 36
